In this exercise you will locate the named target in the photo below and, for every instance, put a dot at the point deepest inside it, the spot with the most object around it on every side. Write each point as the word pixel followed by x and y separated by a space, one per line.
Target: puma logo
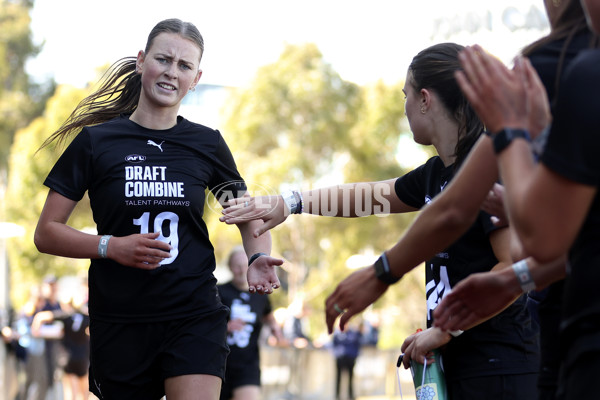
pixel 153 143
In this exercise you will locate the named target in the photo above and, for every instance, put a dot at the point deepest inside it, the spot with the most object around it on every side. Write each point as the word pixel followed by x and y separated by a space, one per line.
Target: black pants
pixel 496 387
pixel 344 363
pixel 578 378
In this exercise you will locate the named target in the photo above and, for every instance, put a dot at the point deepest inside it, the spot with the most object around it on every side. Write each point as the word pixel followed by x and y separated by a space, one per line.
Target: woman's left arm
pixel 547 210
pixel 262 277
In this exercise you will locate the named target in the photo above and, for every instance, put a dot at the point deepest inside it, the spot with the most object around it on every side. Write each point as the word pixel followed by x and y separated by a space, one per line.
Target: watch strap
pixel 382 270
pixel 504 138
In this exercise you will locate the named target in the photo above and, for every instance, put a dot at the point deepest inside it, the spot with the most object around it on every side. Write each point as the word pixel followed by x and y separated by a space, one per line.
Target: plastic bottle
pixel 429 380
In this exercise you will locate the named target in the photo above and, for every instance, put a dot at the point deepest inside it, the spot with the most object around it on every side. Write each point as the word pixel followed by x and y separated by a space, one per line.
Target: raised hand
pixel 538 105
pixel 497 94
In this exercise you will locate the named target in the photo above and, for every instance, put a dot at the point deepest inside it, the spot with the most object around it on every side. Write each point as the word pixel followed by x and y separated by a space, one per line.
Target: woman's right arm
pixel 450 214
pixel 54 236
pixel 349 200
pixel 437 226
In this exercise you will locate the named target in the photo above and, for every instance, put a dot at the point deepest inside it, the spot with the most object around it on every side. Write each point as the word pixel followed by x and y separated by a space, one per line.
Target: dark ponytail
pixel 434 69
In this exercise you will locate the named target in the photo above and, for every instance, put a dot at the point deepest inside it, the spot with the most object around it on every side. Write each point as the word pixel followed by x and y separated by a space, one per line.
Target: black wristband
pixel 382 270
pixel 254 257
pixel 504 138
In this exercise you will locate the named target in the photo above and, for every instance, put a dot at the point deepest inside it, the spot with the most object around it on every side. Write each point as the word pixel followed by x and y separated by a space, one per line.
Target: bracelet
pixel 521 270
pixel 456 333
pixel 299 202
pixel 103 245
pixel 254 257
pixel 293 201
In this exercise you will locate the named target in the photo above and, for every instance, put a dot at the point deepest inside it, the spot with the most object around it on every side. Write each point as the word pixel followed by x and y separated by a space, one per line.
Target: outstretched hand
pixel 475 299
pixel 262 277
pixel 351 296
pixel 139 250
pixel 271 209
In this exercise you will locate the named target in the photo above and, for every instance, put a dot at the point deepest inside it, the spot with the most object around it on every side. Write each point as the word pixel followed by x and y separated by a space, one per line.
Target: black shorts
pixel 237 375
pixel 77 366
pixel 132 360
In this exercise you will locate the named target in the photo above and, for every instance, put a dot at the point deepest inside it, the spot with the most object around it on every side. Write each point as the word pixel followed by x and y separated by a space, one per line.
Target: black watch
pixel 503 138
pixel 382 270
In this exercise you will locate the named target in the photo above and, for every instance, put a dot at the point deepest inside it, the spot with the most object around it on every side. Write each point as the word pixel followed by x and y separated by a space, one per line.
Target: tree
pixel 300 125
pixel 28 168
pixel 21 100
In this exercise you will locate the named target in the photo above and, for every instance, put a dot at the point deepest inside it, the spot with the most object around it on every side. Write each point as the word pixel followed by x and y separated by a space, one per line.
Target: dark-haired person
pixel 500 355
pixel 157 324
pixel 553 204
pixel 249 312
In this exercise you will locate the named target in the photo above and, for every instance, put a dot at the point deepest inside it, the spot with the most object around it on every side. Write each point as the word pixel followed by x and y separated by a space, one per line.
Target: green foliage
pixel 26 194
pixel 20 99
pixel 297 114
pixel 299 124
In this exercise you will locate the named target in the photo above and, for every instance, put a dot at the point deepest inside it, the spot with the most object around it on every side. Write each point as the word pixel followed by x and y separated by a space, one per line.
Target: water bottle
pixel 429 380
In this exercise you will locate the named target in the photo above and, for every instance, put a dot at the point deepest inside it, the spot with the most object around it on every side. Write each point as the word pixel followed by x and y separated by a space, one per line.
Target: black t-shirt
pixel 251 308
pixel 141 180
pixel 572 152
pixel 545 59
pixel 76 339
pixel 506 343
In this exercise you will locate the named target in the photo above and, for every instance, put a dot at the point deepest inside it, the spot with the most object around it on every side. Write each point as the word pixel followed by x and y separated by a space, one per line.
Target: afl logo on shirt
pixel 135 158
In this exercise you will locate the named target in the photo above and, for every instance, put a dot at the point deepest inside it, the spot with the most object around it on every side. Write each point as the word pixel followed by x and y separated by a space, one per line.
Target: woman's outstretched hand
pixel 352 295
pixel 262 277
pixel 475 299
pixel 271 209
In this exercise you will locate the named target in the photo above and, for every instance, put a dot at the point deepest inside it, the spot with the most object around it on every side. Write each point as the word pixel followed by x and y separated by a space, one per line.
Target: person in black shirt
pixel 554 204
pixel 51 351
pixel 248 313
pixel 346 348
pixel 76 343
pixel 502 351
pixel 157 324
